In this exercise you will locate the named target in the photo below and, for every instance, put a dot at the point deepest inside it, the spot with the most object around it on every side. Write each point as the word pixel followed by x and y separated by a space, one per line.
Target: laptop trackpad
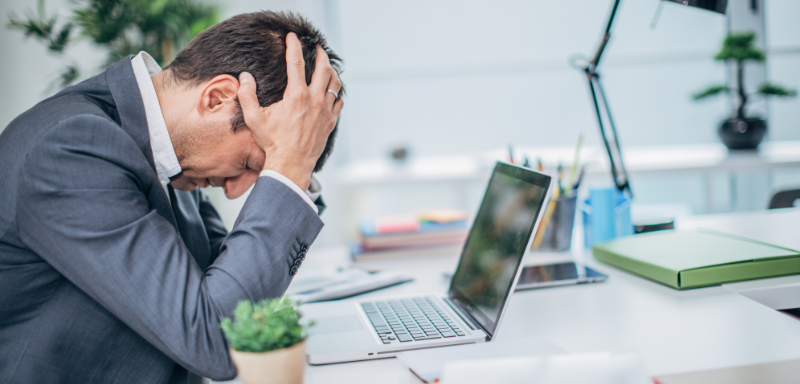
pixel 328 325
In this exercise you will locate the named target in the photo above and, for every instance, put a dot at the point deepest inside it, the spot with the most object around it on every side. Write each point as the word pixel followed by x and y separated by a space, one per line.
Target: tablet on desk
pixel 551 275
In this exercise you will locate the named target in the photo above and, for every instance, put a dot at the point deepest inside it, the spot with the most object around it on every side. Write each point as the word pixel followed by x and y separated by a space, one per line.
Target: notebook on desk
pixel 473 308
pixel 697 258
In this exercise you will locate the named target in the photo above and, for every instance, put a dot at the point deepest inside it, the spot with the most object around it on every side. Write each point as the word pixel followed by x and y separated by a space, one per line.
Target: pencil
pixel 551 207
pixel 574 165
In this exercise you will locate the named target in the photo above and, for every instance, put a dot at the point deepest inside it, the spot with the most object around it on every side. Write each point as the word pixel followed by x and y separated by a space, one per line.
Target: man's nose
pixel 233 188
pixel 236 186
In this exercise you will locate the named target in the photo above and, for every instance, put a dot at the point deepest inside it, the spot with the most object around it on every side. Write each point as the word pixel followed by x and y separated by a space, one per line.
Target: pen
pixel 580 177
pixel 539 164
pixel 510 154
pixel 560 171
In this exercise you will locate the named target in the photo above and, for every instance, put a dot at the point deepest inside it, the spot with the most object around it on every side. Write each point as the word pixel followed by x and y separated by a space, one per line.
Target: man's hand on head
pixel 293 132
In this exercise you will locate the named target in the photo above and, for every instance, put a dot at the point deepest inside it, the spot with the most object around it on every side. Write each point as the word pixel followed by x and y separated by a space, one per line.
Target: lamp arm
pixel 611 142
pixel 606 36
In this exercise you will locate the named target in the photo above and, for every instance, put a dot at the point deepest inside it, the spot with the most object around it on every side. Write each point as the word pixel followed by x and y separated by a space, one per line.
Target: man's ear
pixel 218 94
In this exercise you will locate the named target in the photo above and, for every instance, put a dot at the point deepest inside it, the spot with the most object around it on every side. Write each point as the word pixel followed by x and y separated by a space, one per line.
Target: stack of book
pixel 432 232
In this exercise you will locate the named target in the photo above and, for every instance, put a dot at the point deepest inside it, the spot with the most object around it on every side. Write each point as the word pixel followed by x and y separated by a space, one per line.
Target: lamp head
pixel 711 5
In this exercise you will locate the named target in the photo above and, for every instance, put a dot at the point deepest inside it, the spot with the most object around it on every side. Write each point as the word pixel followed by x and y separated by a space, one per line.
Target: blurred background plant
pixel 740 48
pixel 121 27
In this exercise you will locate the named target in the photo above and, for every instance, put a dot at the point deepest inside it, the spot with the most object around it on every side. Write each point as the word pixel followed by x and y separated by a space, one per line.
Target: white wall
pixel 783 65
pixel 464 76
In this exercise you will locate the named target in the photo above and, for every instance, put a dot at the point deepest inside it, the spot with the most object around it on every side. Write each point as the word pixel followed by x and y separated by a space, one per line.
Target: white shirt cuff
pixel 292 185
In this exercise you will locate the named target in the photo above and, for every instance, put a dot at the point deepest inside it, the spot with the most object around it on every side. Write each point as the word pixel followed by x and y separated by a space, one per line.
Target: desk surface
pixel 675 331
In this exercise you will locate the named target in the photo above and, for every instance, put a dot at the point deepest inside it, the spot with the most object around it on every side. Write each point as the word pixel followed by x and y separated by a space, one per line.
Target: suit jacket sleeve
pixel 83 208
pixel 215 227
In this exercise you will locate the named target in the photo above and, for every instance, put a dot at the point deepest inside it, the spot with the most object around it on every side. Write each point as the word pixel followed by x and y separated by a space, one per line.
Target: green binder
pixel 697 259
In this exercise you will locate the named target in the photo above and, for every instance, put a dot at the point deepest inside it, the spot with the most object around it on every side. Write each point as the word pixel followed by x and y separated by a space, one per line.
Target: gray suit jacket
pixel 102 279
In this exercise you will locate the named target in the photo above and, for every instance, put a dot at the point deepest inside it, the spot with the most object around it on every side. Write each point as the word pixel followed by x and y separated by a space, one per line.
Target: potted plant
pixel 267 342
pixel 120 27
pixel 741 131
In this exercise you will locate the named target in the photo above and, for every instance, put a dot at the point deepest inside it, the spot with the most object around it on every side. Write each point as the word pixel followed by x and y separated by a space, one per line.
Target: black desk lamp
pixel 611 141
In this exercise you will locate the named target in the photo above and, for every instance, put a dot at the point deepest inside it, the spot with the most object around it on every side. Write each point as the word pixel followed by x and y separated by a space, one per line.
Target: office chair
pixel 784 199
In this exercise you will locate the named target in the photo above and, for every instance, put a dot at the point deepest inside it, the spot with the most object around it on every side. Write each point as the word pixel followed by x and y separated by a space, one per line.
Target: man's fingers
pixel 337 107
pixel 247 94
pixel 333 91
pixel 295 65
pixel 322 73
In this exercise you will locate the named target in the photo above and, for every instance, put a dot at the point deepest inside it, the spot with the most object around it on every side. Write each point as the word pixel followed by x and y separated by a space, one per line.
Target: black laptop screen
pixel 497 241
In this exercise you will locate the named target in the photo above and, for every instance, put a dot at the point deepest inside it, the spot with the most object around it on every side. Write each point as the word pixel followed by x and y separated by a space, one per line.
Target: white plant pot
pixel 281 366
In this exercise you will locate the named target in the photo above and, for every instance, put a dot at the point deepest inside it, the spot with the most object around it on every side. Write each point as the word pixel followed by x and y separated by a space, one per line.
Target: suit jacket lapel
pixel 125 91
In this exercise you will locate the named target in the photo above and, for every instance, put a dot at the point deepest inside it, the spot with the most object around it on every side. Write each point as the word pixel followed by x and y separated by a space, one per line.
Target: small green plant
pixel 740 48
pixel 268 325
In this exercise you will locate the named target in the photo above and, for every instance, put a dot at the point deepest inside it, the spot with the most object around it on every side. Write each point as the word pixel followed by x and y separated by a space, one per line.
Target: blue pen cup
pixel 606 216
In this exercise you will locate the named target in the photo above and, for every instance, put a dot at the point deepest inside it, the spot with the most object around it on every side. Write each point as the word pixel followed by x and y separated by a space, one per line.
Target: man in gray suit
pixel 114 268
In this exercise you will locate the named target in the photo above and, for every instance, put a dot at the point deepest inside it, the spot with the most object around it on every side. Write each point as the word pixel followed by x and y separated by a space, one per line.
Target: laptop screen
pixel 497 241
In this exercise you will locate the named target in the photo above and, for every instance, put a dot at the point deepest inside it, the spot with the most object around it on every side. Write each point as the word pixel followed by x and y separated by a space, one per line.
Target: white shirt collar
pixel 164 156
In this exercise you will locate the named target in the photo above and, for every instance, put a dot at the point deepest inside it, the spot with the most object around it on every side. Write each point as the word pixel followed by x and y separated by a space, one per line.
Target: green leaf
pixel 776 90
pixel 740 47
pixel 68 76
pixel 59 43
pixel 267 325
pixel 42 28
pixel 710 91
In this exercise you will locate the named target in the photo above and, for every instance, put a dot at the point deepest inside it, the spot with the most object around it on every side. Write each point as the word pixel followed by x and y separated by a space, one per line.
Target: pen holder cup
pixel 606 216
pixel 555 230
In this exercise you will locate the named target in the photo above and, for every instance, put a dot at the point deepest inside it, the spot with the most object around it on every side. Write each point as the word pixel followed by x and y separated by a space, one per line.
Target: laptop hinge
pixel 463 315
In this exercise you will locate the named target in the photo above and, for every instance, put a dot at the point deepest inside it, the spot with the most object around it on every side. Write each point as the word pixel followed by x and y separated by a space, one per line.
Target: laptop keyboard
pixel 411 319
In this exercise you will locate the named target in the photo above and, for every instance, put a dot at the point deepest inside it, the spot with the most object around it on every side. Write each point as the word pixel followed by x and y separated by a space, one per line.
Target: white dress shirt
pixel 164 156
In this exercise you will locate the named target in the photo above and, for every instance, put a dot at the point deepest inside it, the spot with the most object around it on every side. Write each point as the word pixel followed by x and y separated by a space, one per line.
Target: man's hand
pixel 293 132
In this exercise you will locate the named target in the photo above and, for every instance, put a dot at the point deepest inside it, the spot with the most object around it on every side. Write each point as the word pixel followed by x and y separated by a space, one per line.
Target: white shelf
pixel 638 160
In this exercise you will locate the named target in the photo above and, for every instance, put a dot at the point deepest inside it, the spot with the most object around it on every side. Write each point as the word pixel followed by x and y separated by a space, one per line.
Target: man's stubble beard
pixel 190 142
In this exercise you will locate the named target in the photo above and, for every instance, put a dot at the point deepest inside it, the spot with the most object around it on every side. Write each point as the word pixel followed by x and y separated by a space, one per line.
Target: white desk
pixel 675 331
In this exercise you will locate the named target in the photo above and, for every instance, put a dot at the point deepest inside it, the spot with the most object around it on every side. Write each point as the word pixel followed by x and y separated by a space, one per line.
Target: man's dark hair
pixel 254 43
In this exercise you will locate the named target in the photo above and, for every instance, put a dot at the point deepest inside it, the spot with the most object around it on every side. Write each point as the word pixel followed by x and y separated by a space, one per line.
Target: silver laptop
pixel 485 277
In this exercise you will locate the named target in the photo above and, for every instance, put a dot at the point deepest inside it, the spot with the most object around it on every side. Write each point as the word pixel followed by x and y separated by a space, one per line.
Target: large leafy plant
pixel 265 326
pixel 740 48
pixel 121 27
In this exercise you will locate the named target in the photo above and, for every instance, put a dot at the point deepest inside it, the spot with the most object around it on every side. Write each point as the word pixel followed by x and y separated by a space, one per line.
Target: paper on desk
pixel 323 284
pixel 428 363
pixel 595 368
